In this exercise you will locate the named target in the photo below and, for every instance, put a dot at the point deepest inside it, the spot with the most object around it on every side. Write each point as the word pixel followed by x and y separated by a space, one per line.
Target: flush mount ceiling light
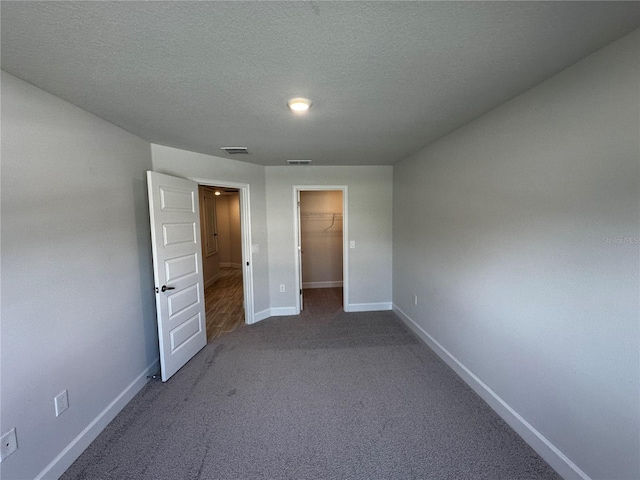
pixel 299 104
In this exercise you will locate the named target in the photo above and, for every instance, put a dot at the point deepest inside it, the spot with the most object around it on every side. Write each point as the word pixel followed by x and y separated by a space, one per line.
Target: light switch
pixel 352 244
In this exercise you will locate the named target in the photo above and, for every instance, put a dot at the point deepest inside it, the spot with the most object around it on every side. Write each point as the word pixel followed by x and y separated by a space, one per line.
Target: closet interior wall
pixel 321 229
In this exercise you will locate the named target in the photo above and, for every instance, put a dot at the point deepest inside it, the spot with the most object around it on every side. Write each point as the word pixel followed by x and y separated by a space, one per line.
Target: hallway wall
pixel 210 263
pixel 229 232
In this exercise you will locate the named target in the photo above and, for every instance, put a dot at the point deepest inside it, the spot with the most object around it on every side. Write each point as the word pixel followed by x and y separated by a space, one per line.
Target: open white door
pixel 177 269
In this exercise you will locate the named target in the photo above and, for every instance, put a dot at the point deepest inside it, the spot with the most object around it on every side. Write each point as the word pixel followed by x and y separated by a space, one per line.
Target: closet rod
pixel 321 214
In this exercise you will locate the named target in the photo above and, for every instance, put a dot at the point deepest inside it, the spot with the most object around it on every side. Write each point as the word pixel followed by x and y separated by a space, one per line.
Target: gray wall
pixel 369 225
pixel 77 304
pixel 229 230
pixel 211 263
pixel 519 235
pixel 182 163
pixel 224 234
pixel 235 232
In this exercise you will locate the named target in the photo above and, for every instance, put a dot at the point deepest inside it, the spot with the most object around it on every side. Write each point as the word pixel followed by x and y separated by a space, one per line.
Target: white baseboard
pixel 368 307
pixel 229 265
pixel 259 316
pixel 322 284
pixel 353 307
pixel 274 312
pixel 283 311
pixel 549 452
pixel 212 280
pixel 79 444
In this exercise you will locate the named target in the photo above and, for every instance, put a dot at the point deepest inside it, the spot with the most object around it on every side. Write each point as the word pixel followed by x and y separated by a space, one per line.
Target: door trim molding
pixel 245 233
pixel 345 238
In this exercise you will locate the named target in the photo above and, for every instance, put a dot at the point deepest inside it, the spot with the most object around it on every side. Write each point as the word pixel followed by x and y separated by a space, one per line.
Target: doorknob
pixel 165 288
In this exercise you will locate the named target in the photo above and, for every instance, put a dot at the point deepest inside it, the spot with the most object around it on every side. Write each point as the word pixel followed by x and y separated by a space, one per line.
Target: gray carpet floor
pixel 326 395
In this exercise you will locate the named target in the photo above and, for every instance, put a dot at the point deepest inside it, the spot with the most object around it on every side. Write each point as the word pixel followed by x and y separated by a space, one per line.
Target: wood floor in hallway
pixel 223 303
pixel 224 299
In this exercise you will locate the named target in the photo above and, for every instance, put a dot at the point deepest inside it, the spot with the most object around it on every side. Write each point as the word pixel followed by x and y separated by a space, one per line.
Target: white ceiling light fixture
pixel 299 104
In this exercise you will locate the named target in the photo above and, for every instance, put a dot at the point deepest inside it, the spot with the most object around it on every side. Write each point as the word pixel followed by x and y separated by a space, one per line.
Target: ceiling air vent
pixel 299 162
pixel 235 150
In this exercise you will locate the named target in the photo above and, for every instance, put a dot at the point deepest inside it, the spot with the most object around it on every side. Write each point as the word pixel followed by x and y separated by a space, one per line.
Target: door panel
pixel 182 300
pixel 173 200
pixel 177 266
pixel 186 331
pixel 173 234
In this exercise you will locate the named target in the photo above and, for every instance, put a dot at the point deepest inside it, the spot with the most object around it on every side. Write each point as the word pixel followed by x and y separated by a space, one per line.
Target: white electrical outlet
pixel 9 444
pixel 352 244
pixel 61 402
pixel 415 300
pixel 282 287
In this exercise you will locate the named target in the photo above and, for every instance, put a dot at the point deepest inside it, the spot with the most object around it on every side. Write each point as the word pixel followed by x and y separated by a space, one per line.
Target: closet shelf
pixel 321 214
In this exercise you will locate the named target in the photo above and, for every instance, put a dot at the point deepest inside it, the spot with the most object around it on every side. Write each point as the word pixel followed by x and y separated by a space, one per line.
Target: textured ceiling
pixel 386 78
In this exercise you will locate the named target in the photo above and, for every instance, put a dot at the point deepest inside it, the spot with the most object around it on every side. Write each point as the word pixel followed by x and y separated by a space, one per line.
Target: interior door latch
pixel 164 289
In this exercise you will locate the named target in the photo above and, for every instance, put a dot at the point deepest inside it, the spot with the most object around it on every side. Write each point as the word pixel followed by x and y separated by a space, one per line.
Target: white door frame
pixel 245 232
pixel 345 238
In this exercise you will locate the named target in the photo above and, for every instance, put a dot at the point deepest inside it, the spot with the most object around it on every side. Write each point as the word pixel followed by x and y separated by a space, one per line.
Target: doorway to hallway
pixel 222 259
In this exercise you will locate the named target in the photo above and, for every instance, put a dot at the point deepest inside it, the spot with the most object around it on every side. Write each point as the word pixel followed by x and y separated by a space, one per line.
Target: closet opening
pixel 321 250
